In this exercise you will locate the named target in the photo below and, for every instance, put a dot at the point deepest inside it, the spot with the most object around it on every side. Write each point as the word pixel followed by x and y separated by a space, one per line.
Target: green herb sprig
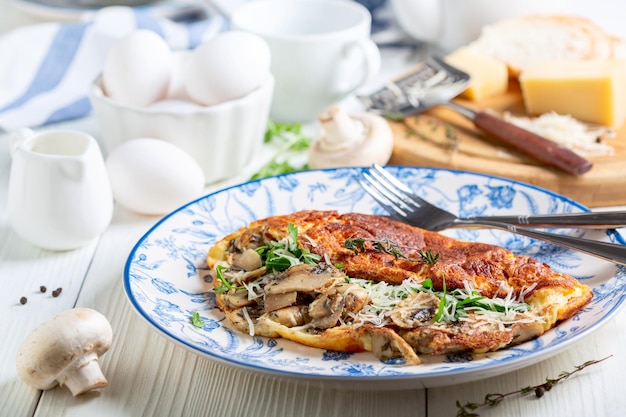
pixel 390 247
pixel 196 320
pixel 291 141
pixel 467 409
pixel 225 285
pixel 279 256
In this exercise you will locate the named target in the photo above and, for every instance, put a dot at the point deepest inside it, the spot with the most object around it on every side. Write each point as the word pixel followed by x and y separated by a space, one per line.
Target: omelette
pixel 357 282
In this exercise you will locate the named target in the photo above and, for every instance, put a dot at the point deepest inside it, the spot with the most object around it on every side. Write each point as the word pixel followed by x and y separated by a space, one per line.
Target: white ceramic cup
pixel 449 24
pixel 321 51
pixel 59 193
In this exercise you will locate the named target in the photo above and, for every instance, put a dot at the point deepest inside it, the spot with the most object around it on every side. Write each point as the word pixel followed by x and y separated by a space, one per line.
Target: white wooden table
pixel 150 376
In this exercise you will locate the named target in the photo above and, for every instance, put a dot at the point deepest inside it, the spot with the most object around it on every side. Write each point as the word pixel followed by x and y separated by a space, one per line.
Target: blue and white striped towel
pixel 46 69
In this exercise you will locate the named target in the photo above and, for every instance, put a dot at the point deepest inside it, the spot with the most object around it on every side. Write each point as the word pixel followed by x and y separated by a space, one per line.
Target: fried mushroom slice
pixel 235 298
pixel 248 260
pixel 355 297
pixel 386 344
pixel 289 316
pixel 304 278
pixel 242 319
pixel 415 310
pixel 277 301
pixel 326 310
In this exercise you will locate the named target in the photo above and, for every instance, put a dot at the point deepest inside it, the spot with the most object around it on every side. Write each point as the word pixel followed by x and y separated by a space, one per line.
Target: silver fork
pixel 404 205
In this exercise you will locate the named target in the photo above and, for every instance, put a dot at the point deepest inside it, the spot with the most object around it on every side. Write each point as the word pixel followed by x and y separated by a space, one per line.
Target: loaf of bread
pixel 522 41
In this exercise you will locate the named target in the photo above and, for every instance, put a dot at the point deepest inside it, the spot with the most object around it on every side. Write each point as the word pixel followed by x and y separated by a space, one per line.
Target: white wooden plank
pixel 150 375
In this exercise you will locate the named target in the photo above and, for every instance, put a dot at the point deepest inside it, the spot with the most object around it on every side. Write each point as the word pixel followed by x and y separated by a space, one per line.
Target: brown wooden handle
pixel 531 144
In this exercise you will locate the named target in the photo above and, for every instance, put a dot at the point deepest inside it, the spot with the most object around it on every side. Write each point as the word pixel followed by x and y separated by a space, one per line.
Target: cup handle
pixel 371 60
pixel 421 19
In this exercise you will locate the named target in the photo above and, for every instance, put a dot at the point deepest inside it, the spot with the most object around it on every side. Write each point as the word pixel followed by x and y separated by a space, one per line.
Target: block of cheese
pixel 489 76
pixel 592 91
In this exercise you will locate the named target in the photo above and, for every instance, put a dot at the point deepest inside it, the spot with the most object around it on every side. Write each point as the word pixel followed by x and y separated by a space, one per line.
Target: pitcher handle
pixel 18 136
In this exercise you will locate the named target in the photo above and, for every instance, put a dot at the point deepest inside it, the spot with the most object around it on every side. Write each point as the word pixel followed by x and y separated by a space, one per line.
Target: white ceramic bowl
pixel 222 138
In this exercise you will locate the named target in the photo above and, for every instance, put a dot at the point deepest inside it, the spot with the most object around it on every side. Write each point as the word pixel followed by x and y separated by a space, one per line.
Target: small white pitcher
pixel 59 193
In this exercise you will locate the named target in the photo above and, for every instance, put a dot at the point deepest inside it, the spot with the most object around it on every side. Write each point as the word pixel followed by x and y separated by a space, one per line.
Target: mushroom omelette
pixel 357 282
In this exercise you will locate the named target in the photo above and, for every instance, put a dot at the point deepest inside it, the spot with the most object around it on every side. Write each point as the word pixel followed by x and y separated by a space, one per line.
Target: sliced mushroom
pixel 354 297
pixel 240 277
pixel 326 310
pixel 304 278
pixel 278 301
pixel 248 260
pixel 289 316
pixel 236 299
pixel 387 344
pixel 242 319
pixel 415 310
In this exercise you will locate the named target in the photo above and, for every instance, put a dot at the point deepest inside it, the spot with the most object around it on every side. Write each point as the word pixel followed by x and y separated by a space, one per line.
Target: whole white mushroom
pixel 351 140
pixel 64 350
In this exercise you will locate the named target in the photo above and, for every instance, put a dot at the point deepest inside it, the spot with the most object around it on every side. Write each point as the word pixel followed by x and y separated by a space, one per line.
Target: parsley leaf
pixel 282 255
pixel 292 141
pixel 196 320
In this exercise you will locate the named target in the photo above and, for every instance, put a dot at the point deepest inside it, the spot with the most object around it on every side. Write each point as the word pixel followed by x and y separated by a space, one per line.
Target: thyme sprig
pixel 390 247
pixel 467 409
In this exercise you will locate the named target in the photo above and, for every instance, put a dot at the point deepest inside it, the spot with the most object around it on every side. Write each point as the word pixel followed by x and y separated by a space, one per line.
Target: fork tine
pixel 392 185
pixel 383 190
pixel 370 187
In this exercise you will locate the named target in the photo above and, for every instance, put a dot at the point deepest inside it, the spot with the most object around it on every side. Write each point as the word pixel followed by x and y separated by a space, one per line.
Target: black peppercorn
pixel 56 292
pixel 23 300
pixel 42 288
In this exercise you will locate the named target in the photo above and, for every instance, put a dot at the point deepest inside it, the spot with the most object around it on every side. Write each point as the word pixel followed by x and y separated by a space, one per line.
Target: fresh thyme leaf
pixel 356 244
pixel 291 140
pixel 428 257
pixel 196 320
pixel 386 245
pixel 466 410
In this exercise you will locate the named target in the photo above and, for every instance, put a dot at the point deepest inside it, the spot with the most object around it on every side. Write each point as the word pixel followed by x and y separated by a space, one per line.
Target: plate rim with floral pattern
pixel 166 277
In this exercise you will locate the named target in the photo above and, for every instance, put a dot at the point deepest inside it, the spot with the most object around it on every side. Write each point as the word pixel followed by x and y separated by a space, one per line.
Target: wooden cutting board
pixel 442 138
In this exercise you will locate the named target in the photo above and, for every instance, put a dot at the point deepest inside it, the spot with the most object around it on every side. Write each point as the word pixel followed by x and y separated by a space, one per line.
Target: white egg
pixel 138 69
pixel 152 176
pixel 227 66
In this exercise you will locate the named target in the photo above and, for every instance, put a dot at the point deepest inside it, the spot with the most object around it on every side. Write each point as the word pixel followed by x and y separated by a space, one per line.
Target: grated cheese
pixel 566 131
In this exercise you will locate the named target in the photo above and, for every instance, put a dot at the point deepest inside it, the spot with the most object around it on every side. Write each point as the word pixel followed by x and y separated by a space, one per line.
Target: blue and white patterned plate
pixel 166 274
